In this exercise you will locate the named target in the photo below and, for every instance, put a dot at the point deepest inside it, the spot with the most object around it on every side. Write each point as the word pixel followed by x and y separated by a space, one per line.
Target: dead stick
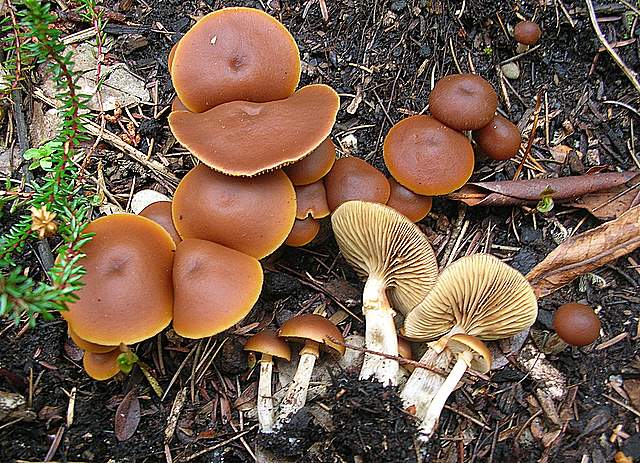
pixel 532 135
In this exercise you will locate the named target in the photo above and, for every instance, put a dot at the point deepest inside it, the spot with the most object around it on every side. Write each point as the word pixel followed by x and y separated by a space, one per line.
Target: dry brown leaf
pixel 586 252
pixel 611 203
pixel 127 417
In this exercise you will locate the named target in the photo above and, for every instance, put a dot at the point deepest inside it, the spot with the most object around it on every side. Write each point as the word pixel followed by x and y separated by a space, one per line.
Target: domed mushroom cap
pixel 246 139
pixel 160 213
pixel 351 178
pixel 463 101
pixel 312 327
pixel 303 232
pixel 235 54
pixel 500 139
pixel 88 346
pixel 311 201
pixel 128 293
pixel 250 215
pixel 427 157
pixel 172 55
pixel 527 33
pixel 406 202
pixel 268 342
pixel 215 287
pixel 101 366
pixel 381 243
pixel 481 361
pixel 479 294
pixel 576 324
pixel 314 165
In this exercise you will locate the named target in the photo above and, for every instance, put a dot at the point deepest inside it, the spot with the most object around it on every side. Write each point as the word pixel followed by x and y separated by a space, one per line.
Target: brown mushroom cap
pixel 576 324
pixel 427 157
pixel 481 361
pixel 128 292
pixel 314 165
pixel 101 366
pixel 303 232
pixel 412 206
pixel 235 54
pixel 160 213
pixel 405 351
pixel 312 327
pixel 88 346
pixel 251 215
pixel 172 55
pixel 351 178
pixel 527 33
pixel 381 243
pixel 268 342
pixel 478 294
pixel 215 287
pixel 246 139
pixel 500 139
pixel 463 101
pixel 311 200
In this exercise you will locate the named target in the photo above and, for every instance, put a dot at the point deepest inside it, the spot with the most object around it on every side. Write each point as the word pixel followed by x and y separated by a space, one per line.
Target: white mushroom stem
pixel 380 335
pixel 430 421
pixel 265 398
pixel 296 395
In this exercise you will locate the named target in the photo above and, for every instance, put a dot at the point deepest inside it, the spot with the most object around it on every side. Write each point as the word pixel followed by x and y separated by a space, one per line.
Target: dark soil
pixel 387 51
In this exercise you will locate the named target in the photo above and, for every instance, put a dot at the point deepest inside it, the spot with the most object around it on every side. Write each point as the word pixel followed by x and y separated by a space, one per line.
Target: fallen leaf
pixel 225 409
pixel 632 388
pixel 127 417
pixel 247 399
pixel 586 252
pixel 611 203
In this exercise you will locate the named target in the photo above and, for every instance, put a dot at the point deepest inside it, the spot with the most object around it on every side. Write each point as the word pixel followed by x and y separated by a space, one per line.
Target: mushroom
pixel 427 157
pixel 311 200
pixel 245 139
pixel 526 33
pixel 405 351
pixel 351 178
pixel 172 55
pixel 303 232
pixel 127 295
pixel 500 139
pixel 314 165
pixel 576 324
pixel 463 101
pixel 413 206
pixel 86 345
pixel 396 258
pixel 177 105
pixel 215 287
pixel 269 345
pixel 317 333
pixel 470 352
pixel 160 213
pixel 102 366
pixel 250 215
pixel 235 54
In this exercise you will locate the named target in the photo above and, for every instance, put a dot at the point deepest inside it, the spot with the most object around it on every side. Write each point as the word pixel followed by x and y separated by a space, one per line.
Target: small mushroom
pixel 427 157
pixel 235 54
pixel 413 206
pixel 86 345
pixel 314 165
pixel 526 33
pixel 405 351
pixel 500 139
pixel 269 345
pixel 398 262
pixel 160 213
pixel 576 324
pixel 303 232
pixel 316 333
pixel 102 366
pixel 311 200
pixel 351 178
pixel 463 101
pixel 470 352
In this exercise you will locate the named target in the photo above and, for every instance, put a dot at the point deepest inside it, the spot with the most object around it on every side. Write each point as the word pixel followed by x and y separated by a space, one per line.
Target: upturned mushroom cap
pixel 268 342
pixel 312 327
pixel 351 178
pixel 427 157
pixel 235 54
pixel 250 215
pixel 246 139
pixel 500 139
pixel 480 295
pixel 127 295
pixel 381 243
pixel 101 366
pixel 215 287
pixel 406 202
pixel 527 33
pixel 314 165
pixel 160 213
pixel 576 324
pixel 311 200
pixel 463 101
pixel 303 232
pixel 481 361
pixel 88 346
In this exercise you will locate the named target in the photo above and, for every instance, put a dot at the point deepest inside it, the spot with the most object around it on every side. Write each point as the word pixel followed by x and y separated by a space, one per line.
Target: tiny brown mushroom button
pixel 303 232
pixel 527 32
pixel 351 178
pixel 101 366
pixel 311 200
pixel 314 165
pixel 576 324
pixel 500 139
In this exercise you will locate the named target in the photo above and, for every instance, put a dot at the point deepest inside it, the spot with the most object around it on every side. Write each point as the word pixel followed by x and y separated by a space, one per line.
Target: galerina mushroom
pixel 576 324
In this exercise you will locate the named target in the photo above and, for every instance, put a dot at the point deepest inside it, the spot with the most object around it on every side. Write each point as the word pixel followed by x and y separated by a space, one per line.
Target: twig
pixel 532 135
pixel 217 446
